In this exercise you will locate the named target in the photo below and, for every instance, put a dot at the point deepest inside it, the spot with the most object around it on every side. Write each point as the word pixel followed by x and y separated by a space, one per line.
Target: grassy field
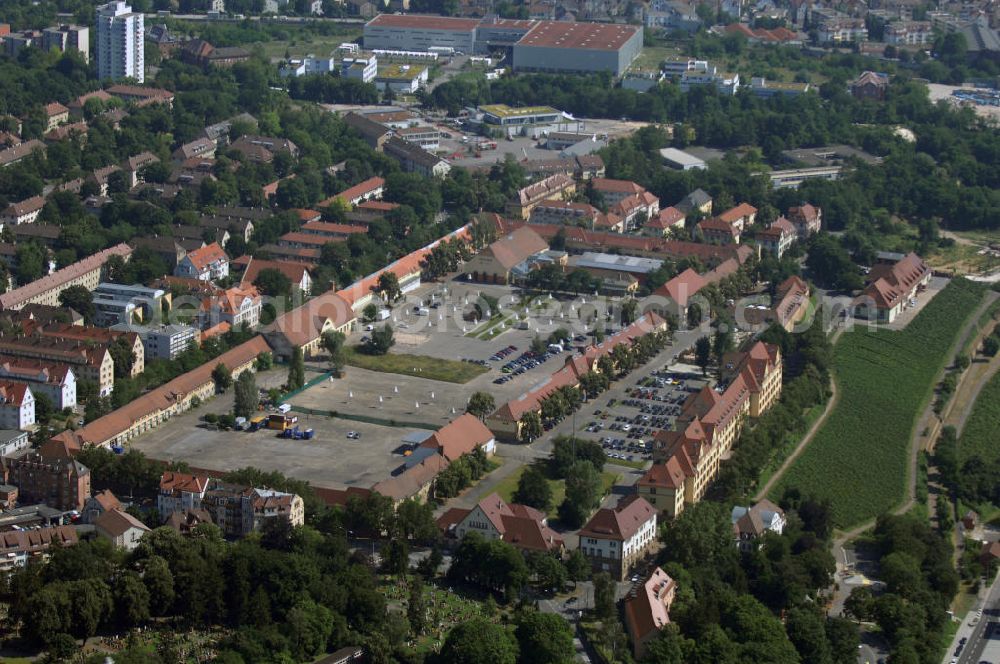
pixel 858 459
pixel 652 56
pixel 508 486
pixel 980 433
pixel 421 366
pixel 307 44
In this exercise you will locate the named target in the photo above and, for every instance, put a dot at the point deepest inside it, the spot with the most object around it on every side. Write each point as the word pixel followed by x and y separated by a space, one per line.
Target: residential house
pixel 25 212
pixel 142 96
pixel 461 436
pixel 524 527
pixel 741 217
pixel 263 148
pixel 369 190
pixel 778 237
pixel 134 166
pixel 495 263
pixel 297 273
pixel 55 115
pixel 19 547
pixel 17 405
pixel 870 85
pixel 201 148
pixel 414 159
pixel 614 539
pixel 891 285
pixel 807 219
pixel 16 153
pixel 180 491
pixel 60 483
pixel 647 609
pixel 205 264
pixel 89 362
pixel 98 504
pixel 12 442
pixel 53 379
pixel 554 187
pixel 669 220
pixel 121 528
pixel 162 342
pixel 97 337
pixel 752 523
pixel 236 306
pixel 717 231
pixel 697 201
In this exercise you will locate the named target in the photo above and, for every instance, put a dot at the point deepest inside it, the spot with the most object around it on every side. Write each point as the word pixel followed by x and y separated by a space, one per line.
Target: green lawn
pixel 859 458
pixel 319 45
pixel 508 486
pixel 979 437
pixel 421 366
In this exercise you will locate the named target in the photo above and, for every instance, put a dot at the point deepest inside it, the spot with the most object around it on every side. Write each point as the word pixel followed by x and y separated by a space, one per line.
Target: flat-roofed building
pixel 562 46
pixel 404 78
pixel 681 160
pixel 412 32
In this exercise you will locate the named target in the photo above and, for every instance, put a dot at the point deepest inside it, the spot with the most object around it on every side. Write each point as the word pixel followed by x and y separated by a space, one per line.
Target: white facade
pixel 18 415
pixel 361 68
pixel 120 42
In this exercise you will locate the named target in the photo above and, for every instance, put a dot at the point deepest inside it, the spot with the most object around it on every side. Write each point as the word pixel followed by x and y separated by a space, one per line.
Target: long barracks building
pixel 554 46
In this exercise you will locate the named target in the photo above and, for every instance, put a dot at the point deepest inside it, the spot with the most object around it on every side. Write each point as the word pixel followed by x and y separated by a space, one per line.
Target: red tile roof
pixel 204 257
pixel 620 523
pixel 517 247
pixel 740 211
pixel 460 436
pixel 567 34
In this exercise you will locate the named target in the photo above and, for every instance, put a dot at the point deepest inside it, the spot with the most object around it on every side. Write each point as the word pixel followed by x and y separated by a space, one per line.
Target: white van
pixel 284 408
pixel 555 348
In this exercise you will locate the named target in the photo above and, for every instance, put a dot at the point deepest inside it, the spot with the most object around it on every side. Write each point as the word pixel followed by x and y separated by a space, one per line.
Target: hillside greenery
pixel 858 458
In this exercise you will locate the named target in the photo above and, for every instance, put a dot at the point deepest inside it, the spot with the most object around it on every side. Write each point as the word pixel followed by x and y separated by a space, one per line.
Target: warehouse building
pixel 419 33
pixel 557 46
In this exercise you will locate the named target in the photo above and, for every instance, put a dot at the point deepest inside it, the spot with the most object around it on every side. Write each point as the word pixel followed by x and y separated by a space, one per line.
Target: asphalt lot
pixel 626 427
pixel 328 460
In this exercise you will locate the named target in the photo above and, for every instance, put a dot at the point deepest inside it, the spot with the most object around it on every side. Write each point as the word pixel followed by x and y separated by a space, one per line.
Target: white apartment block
pixel 120 42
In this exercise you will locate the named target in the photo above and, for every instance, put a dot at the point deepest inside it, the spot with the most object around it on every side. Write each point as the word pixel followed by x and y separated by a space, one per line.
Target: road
pixel 976 635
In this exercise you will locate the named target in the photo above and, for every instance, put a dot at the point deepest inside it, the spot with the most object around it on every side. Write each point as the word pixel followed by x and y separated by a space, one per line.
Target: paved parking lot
pixel 329 460
pixel 625 427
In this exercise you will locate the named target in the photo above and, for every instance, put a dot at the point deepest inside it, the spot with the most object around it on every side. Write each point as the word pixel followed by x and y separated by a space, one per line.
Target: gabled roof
pixel 107 500
pixel 460 436
pixel 668 475
pixel 620 523
pixel 736 213
pixel 778 228
pixel 616 186
pixel 174 481
pixel 683 287
pixel 517 247
pixel 55 108
pixel 293 271
pixel 204 257
pixel 891 283
pixel 647 607
pixel 27 206
pixel 116 523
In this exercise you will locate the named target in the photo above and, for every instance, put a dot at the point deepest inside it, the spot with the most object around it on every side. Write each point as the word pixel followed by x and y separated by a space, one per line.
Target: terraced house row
pixel 686 460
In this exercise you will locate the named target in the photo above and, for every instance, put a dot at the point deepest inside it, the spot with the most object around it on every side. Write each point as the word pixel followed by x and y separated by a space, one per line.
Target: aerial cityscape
pixel 499 332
